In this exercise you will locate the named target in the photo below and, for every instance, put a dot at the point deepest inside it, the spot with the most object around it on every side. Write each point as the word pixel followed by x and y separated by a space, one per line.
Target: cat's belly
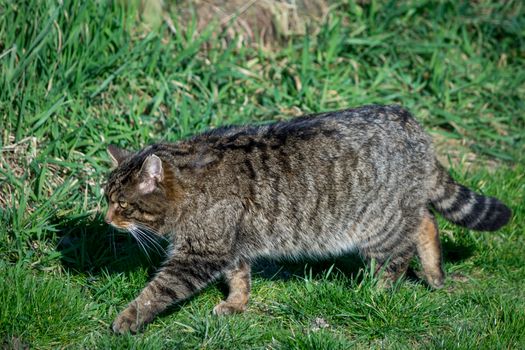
pixel 329 237
pixel 332 246
pixel 291 242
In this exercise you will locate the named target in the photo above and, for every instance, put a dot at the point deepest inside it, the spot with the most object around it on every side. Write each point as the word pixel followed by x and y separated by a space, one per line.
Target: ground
pixel 76 76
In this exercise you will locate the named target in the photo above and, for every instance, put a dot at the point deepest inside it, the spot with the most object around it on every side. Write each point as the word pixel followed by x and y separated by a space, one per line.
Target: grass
pixel 76 76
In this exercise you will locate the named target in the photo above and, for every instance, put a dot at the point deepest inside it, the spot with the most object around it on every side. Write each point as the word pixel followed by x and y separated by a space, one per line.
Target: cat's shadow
pixel 90 246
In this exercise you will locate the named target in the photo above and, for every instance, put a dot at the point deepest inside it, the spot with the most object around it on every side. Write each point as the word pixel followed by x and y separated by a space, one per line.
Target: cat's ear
pixel 118 155
pixel 151 173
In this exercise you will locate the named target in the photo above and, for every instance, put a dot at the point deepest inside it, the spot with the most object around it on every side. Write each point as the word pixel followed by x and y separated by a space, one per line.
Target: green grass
pixel 77 76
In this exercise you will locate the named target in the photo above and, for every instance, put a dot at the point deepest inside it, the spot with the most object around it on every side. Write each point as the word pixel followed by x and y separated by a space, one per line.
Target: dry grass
pixel 15 157
pixel 19 171
pixel 265 23
pixel 458 153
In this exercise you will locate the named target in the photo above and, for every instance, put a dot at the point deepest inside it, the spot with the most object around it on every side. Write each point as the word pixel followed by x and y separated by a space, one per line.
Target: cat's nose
pixel 107 219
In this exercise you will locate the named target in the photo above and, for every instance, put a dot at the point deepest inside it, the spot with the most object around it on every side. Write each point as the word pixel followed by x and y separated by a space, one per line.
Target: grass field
pixel 76 76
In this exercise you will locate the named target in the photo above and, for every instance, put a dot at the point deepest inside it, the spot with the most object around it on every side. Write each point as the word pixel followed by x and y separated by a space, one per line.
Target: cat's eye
pixel 123 204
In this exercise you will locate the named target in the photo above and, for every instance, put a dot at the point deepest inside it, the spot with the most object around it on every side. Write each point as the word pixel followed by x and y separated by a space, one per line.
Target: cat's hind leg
pixel 391 249
pixel 239 280
pixel 429 251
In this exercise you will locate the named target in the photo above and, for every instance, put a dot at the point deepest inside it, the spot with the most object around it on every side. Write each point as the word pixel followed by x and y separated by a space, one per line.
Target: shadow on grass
pixel 90 246
pixel 456 252
pixel 348 265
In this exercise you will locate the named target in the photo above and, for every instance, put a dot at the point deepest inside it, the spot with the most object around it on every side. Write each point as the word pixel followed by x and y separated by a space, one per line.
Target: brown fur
pixel 429 251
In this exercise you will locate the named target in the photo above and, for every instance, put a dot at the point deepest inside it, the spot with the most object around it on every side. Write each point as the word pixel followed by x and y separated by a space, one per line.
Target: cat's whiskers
pixel 152 231
pixel 143 236
pixel 135 232
pixel 151 241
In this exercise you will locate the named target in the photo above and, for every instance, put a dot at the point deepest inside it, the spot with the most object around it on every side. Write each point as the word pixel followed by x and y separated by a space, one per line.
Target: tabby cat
pixel 354 180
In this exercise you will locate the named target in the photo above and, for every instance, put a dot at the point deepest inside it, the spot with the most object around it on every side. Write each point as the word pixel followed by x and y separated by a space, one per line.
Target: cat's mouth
pixel 122 226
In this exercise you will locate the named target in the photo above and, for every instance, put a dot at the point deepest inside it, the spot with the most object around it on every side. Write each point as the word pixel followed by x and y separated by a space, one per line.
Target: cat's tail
pixel 464 207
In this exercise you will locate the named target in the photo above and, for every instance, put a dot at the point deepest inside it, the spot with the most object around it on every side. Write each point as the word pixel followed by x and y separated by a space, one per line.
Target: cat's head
pixel 137 191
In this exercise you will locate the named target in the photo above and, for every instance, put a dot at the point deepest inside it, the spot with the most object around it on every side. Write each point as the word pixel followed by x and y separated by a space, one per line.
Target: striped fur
pixel 353 180
pixel 466 208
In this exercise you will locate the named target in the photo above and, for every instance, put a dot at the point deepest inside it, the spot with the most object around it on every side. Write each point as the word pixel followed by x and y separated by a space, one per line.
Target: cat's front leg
pixel 238 279
pixel 180 277
pixel 141 310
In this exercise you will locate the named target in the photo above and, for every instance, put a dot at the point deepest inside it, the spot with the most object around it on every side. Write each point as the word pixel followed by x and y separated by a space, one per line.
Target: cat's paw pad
pixel 126 322
pixel 226 308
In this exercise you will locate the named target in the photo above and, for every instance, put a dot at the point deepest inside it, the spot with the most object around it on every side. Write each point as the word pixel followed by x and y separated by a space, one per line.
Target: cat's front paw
pixel 127 321
pixel 226 308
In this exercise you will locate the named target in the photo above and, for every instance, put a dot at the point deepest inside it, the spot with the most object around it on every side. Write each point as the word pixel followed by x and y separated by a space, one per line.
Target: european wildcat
pixel 358 179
